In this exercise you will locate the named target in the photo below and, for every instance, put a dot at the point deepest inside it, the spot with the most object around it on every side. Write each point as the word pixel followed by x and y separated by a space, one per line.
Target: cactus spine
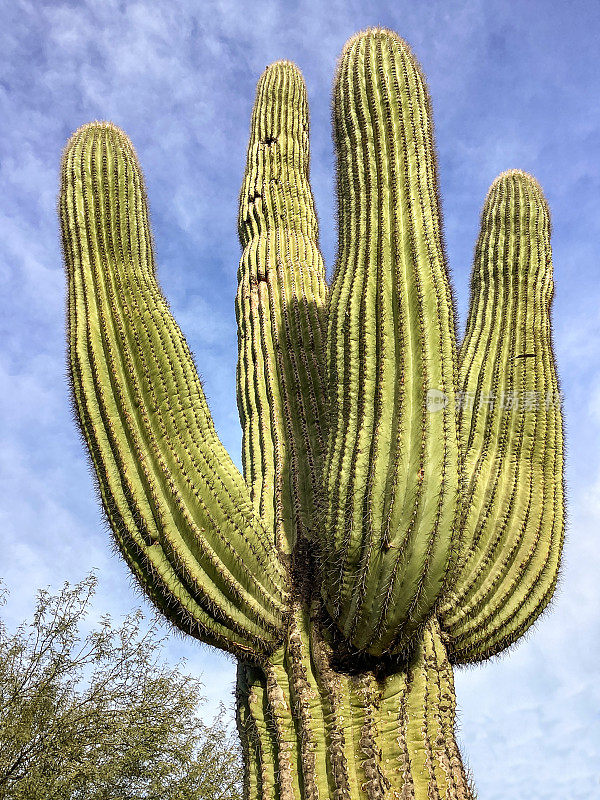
pixel 372 540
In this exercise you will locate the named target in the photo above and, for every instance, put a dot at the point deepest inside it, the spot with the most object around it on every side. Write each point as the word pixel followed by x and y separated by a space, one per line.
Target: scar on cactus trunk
pixel 376 537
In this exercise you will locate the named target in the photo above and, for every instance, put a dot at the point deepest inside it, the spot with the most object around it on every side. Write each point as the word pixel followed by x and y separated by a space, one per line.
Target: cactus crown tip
pixel 95 127
pixel 527 183
pixel 113 136
pixel 283 65
pixel 375 31
pixel 278 74
pixel 521 177
pixel 98 126
pixel 389 40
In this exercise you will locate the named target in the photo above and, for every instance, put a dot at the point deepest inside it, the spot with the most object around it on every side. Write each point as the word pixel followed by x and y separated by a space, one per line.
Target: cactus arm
pixel 179 509
pixel 279 306
pixel 513 510
pixel 391 466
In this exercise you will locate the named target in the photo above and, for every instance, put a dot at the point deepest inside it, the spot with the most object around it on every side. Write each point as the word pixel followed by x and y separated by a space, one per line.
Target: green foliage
pixel 95 713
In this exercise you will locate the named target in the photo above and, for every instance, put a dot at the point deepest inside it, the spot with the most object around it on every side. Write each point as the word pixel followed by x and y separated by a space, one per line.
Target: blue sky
pixel 514 84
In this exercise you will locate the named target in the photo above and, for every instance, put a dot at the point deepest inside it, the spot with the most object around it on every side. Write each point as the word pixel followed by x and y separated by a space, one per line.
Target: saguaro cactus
pixel 401 508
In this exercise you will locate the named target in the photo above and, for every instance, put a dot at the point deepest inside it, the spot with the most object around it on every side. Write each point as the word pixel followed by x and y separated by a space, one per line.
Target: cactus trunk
pixel 310 731
pixel 382 529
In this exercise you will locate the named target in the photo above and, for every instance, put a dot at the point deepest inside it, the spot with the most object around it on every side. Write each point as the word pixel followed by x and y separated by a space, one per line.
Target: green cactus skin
pixel 372 541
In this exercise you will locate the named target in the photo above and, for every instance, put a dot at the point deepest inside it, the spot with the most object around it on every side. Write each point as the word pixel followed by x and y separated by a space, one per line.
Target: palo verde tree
pixel 401 508
pixel 100 716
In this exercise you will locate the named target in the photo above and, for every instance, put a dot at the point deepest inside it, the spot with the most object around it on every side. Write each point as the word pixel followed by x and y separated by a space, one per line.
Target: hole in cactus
pixel 269 140
pixel 254 281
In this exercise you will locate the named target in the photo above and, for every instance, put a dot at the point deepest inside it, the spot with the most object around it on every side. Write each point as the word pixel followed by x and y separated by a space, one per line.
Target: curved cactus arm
pixel 391 465
pixel 280 305
pixel 179 509
pixel 510 428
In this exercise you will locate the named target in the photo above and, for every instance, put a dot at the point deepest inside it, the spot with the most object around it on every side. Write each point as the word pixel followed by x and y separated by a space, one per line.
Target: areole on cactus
pixel 375 538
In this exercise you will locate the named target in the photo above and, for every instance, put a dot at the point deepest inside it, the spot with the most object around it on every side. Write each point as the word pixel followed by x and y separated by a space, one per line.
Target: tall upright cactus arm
pixel 180 511
pixel 391 467
pixel 511 431
pixel 280 309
